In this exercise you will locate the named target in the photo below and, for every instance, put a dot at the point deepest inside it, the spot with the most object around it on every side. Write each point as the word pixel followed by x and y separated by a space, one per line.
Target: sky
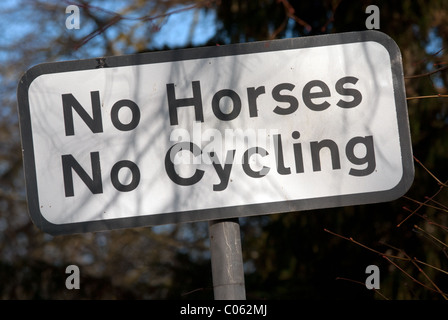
pixel 174 32
pixel 174 29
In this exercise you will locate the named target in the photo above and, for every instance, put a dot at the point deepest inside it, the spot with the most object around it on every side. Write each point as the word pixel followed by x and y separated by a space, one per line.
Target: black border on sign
pixel 226 212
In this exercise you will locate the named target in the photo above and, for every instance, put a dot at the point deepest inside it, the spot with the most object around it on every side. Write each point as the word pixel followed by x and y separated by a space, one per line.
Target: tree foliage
pixel 287 256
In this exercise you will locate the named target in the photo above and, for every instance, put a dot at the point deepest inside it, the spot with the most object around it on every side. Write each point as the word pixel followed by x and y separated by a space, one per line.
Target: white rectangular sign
pixel 215 132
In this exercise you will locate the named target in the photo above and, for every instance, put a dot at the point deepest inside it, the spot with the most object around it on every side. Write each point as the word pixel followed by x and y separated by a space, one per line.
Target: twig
pixel 279 29
pixel 429 279
pixel 98 31
pixel 116 17
pixel 430 236
pixel 289 10
pixel 431 266
pixel 442 185
pixel 415 259
pixel 432 175
pixel 426 204
pixel 424 217
pixel 365 247
pixel 88 6
pixel 192 291
pixel 408 275
pixel 438 203
pixel 405 258
pixel 419 207
pixel 431 96
pixel 363 284
pixel 426 74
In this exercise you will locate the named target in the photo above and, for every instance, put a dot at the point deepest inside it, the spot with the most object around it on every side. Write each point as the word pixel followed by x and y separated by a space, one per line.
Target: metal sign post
pixel 227 260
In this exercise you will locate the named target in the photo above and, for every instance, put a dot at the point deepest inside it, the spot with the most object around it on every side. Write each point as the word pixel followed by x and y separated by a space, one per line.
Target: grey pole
pixel 227 260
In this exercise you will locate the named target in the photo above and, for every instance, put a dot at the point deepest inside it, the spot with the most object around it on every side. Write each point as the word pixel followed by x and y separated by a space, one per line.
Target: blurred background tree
pixel 287 256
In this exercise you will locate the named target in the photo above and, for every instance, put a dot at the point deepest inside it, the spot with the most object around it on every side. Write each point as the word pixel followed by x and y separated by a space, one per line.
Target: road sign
pixel 215 132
